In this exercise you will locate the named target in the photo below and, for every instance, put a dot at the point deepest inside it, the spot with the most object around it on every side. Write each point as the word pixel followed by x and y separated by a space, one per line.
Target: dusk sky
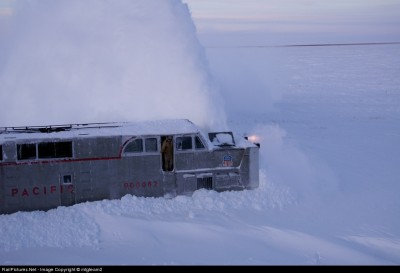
pixel 288 21
pixel 300 20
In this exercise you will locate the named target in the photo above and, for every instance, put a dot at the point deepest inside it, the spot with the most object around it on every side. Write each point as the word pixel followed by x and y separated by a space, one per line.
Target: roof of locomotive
pixel 154 127
pixel 110 129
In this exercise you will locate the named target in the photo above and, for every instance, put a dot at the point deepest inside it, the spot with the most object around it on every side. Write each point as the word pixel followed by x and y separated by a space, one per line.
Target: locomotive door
pixel 67 192
pixel 167 160
pixel 167 153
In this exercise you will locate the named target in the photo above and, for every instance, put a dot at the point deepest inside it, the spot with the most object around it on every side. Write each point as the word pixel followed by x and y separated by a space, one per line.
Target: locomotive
pixel 43 167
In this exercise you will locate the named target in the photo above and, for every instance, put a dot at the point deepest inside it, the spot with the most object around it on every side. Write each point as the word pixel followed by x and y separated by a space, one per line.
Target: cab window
pixel 135 146
pixel 151 144
pixel 184 143
pixel 198 144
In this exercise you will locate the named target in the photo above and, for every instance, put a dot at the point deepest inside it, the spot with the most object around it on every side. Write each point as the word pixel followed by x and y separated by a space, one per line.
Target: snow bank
pixel 81 225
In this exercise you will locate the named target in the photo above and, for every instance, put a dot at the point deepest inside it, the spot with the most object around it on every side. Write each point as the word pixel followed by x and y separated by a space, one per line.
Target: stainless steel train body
pixel 46 167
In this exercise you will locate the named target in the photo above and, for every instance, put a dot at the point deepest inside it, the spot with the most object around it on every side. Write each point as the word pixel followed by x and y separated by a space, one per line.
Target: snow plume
pixel 100 60
pixel 288 166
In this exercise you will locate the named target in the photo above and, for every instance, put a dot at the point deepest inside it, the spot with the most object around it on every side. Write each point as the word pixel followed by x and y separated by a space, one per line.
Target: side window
pixel 26 151
pixel 1 153
pixel 66 178
pixel 184 143
pixel 198 144
pixel 150 144
pixel 135 146
pixel 55 149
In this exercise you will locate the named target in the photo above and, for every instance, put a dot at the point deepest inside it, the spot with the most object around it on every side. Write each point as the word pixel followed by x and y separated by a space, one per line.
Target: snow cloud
pixel 99 60
pixel 290 167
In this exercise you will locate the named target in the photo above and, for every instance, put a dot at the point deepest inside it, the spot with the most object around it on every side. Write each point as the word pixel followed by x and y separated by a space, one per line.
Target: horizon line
pixel 307 45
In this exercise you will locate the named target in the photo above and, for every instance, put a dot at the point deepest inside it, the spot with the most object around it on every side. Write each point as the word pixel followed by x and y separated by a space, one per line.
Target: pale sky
pixel 372 20
pixel 341 20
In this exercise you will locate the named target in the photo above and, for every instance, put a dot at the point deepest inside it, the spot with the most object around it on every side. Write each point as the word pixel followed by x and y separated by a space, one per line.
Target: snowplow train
pixel 43 167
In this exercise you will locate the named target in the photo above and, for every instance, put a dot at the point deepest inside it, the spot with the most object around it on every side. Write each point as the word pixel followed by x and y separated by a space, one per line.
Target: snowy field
pixel 328 120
